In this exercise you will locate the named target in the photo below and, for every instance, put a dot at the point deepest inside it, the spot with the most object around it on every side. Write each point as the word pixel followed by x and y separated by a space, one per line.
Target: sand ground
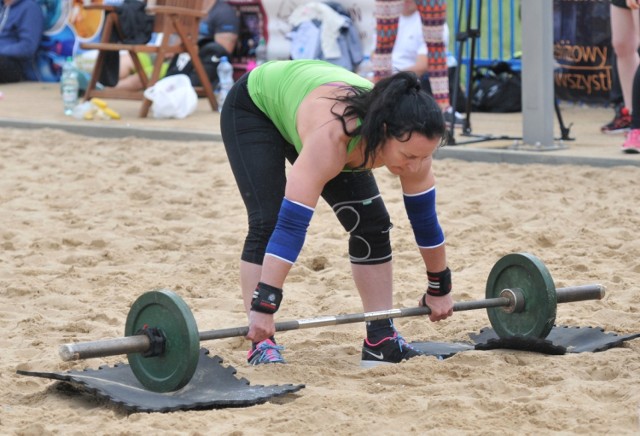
pixel 91 223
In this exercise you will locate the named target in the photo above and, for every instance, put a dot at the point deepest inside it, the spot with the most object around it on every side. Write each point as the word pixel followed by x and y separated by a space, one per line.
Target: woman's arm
pixel 323 156
pixel 415 185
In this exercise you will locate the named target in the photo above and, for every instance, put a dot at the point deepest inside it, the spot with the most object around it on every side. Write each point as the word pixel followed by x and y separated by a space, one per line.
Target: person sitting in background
pixel 128 78
pixel 433 15
pixel 221 26
pixel 410 51
pixel 21 28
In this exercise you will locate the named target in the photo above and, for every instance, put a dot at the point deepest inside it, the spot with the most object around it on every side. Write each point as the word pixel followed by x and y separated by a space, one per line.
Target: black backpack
pixel 137 28
pixel 210 53
pixel 498 89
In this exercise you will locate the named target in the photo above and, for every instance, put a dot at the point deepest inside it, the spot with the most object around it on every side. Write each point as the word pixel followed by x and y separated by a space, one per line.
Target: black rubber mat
pixel 561 340
pixel 212 386
pixel 442 350
pixel 216 386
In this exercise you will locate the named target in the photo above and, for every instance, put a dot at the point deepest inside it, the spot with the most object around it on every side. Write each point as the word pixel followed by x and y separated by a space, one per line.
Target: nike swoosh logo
pixel 379 356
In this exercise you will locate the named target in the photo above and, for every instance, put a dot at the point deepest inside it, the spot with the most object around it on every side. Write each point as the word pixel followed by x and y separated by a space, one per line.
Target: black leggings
pixel 635 101
pixel 257 153
pixel 10 70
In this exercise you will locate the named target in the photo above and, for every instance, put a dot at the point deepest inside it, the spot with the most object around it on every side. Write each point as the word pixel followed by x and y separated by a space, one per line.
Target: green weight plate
pixel 527 273
pixel 168 312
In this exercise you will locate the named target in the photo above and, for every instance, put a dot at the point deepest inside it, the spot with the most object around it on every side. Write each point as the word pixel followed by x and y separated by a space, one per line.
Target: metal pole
pixel 537 74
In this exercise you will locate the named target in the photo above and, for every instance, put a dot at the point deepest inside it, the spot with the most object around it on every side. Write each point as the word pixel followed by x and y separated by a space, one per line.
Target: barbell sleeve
pixel 104 347
pixel 580 293
pixel 141 343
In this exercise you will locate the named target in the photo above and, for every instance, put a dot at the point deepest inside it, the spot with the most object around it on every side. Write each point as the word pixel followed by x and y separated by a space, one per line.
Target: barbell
pixel 162 340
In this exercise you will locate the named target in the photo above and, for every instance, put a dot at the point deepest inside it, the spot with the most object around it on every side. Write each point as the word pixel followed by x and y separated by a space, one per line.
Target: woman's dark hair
pixel 396 107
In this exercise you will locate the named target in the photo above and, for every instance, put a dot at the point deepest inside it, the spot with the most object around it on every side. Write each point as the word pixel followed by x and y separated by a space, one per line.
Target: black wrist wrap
pixel 266 298
pixel 439 283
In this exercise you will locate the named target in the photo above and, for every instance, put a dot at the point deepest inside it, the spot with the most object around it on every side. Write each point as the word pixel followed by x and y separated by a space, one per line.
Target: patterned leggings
pixel 434 15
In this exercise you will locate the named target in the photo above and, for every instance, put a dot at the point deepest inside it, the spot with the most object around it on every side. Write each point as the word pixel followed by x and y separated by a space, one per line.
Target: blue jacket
pixel 21 28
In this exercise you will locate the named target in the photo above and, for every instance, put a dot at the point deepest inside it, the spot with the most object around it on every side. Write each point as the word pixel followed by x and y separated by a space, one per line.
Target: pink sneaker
pixel 632 143
pixel 265 352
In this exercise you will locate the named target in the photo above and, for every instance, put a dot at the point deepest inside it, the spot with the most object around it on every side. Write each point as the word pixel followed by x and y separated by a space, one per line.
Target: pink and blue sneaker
pixel 265 352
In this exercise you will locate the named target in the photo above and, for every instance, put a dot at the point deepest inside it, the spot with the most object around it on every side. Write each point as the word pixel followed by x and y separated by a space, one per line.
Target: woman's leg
pixel 434 15
pixel 356 201
pixel 257 153
pixel 387 14
pixel 632 141
pixel 625 39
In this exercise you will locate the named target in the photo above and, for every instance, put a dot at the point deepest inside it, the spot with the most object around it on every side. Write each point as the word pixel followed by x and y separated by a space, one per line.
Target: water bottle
pixel 365 69
pixel 69 86
pixel 225 80
pixel 261 52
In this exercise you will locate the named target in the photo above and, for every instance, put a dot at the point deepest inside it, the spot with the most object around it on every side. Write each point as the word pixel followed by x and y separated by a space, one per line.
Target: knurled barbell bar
pixel 162 340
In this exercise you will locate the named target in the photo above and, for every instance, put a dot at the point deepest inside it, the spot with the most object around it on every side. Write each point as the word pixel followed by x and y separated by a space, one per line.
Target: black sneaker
pixel 393 349
pixel 621 122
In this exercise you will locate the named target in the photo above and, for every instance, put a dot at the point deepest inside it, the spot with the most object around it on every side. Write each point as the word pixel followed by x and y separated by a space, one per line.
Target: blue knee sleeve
pixel 421 209
pixel 288 237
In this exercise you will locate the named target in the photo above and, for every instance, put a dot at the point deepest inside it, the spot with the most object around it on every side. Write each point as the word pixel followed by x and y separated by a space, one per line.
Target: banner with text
pixel 582 50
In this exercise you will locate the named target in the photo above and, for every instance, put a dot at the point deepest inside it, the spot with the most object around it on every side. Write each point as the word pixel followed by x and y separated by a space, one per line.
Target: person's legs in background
pixel 621 119
pixel 632 141
pixel 10 70
pixel 434 16
pixel 625 39
pixel 387 14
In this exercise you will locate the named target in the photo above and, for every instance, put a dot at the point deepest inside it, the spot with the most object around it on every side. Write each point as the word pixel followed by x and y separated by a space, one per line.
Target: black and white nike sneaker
pixel 393 349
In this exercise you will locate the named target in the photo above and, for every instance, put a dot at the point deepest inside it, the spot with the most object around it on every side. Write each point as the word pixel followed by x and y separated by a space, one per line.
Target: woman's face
pixel 408 157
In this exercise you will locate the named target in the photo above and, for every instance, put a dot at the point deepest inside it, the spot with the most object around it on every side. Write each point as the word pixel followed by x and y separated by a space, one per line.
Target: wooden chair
pixel 177 21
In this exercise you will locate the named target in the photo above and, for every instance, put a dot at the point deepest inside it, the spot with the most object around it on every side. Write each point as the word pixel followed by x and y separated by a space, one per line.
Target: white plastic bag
pixel 172 97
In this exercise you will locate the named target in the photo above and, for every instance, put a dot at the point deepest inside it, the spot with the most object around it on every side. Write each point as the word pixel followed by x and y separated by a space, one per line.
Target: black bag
pixel 499 89
pixel 135 23
pixel 137 28
pixel 209 52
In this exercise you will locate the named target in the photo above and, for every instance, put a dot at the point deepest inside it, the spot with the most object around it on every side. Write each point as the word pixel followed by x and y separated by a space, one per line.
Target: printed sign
pixel 582 50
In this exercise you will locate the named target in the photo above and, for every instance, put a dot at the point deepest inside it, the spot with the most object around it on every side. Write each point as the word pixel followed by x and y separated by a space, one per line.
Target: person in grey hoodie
pixel 21 28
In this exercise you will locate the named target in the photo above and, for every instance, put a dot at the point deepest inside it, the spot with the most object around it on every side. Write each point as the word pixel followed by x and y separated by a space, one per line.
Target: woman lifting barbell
pixel 334 127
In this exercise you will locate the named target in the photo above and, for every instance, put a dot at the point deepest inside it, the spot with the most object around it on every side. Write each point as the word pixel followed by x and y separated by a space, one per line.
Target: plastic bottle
pixel 365 69
pixel 69 86
pixel 261 52
pixel 225 80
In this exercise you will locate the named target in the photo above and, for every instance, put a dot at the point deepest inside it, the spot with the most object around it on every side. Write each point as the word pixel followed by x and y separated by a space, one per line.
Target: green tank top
pixel 278 88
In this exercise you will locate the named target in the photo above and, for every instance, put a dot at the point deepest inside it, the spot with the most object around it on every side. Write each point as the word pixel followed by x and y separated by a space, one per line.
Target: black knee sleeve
pixel 368 223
